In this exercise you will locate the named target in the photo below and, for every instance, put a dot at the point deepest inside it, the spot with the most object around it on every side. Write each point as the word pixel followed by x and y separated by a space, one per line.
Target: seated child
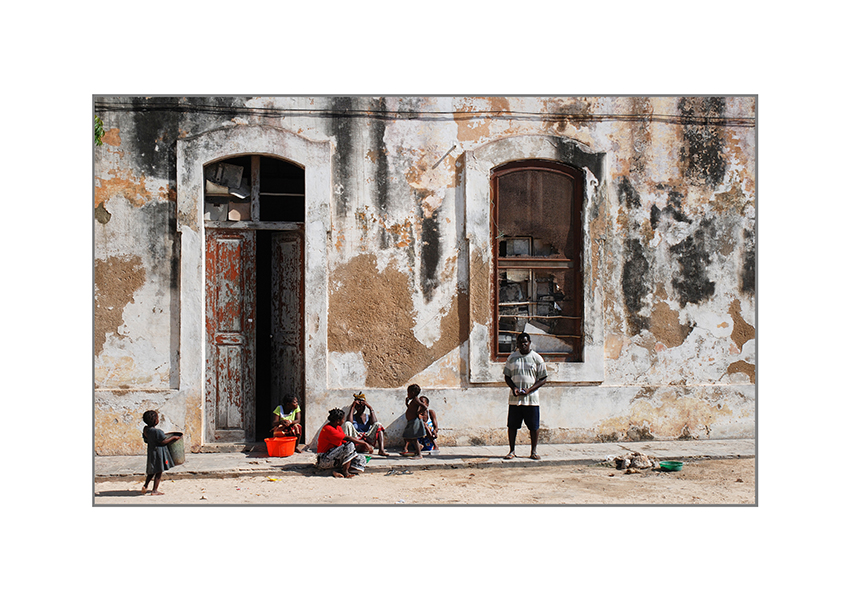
pixel 287 418
pixel 415 429
pixel 429 419
pixel 364 427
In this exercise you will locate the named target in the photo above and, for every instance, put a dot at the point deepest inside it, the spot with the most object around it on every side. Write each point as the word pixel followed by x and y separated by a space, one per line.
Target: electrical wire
pixel 146 106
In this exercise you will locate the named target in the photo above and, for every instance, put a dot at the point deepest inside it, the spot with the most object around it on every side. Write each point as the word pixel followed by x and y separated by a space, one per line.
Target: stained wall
pixel 671 248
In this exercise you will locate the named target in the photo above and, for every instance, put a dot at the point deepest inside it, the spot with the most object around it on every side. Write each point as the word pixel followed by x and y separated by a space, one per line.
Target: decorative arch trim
pixel 477 167
pixel 193 152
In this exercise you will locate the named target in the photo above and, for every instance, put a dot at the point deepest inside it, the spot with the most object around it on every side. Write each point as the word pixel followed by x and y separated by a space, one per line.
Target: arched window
pixel 537 242
pixel 253 188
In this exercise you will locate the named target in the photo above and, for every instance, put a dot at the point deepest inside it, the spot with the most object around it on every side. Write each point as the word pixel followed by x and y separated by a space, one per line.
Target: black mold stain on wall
pixel 748 271
pixel 702 151
pixel 635 285
pixel 627 194
pixel 155 133
pixel 157 218
pixel 691 284
pixel 569 153
pixel 157 122
pixel 673 209
pixel 382 168
pixel 342 130
pixel 430 255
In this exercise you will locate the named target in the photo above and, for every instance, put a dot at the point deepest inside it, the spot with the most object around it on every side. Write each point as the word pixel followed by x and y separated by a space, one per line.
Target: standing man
pixel 525 372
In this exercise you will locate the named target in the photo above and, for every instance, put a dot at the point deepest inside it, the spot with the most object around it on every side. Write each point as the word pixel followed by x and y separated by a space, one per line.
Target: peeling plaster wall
pixel 680 258
pixel 671 241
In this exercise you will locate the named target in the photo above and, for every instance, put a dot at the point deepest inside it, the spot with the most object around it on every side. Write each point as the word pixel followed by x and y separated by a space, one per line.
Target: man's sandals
pixel 512 455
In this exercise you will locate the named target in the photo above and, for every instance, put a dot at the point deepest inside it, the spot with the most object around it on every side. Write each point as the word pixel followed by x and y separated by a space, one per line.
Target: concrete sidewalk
pixel 222 465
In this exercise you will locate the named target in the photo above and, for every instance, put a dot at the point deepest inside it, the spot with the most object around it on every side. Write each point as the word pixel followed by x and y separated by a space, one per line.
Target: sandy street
pixel 712 482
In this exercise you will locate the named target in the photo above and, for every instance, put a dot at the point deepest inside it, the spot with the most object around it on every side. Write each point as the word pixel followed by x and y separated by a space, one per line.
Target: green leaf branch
pixel 98 131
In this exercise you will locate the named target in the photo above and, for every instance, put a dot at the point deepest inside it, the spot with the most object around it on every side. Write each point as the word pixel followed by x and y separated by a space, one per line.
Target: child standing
pixel 412 393
pixel 159 459
pixel 287 419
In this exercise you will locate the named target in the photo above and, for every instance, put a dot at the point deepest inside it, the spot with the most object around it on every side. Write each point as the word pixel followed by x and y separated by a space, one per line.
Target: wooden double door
pixel 254 329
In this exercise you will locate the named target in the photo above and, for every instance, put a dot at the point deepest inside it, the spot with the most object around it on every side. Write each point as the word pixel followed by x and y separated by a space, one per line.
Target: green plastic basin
pixel 671 466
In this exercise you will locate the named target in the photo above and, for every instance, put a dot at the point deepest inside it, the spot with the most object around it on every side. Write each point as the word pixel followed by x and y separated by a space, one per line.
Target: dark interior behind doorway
pixel 279 366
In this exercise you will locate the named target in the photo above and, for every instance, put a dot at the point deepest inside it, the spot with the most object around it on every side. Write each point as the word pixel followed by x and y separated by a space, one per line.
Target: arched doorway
pixel 254 287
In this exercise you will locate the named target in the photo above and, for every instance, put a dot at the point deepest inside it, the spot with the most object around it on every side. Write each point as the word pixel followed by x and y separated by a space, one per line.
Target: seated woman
pixel 336 450
pixel 365 428
pixel 287 419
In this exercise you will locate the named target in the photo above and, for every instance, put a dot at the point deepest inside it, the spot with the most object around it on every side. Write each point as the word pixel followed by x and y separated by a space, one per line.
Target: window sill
pixel 484 370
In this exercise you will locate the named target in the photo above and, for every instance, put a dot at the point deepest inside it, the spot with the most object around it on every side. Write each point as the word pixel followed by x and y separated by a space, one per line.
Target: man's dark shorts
pixel 530 414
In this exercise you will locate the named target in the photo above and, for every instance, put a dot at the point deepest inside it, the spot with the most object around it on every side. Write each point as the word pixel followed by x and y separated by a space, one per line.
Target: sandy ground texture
pixel 711 482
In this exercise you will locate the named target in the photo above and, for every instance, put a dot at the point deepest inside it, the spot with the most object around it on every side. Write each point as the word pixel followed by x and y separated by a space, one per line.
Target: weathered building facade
pixel 246 247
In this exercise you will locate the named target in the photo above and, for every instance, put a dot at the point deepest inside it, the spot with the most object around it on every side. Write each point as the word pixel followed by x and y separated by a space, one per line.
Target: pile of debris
pixel 633 462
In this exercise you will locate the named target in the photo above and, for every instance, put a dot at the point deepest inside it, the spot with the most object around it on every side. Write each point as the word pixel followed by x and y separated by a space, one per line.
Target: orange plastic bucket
pixel 281 446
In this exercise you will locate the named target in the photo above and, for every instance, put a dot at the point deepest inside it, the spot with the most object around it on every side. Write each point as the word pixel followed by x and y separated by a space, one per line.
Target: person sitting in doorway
pixel 287 419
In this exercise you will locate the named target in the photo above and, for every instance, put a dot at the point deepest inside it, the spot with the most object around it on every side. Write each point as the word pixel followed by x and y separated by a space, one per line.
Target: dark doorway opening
pixel 279 360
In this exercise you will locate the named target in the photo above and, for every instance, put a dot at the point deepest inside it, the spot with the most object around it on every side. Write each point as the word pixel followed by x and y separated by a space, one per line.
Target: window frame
pixel 533 263
pixel 258 198
pixel 476 165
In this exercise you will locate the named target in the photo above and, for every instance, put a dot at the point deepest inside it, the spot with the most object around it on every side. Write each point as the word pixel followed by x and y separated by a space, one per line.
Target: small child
pixel 412 393
pixel 415 429
pixel 429 420
pixel 159 459
pixel 287 419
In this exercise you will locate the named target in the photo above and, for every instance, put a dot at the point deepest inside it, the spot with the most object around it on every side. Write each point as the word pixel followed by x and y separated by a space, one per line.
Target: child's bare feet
pixel 157 493
pixel 383 453
pixel 338 475
pixel 144 489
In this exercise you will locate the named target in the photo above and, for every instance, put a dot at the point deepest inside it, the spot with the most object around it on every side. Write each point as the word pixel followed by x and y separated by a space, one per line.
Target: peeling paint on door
pixel 231 340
